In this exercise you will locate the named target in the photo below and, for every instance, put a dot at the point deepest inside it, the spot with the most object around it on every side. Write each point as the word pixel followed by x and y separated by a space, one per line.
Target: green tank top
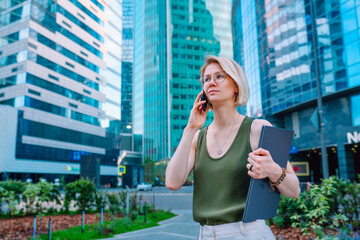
pixel 221 184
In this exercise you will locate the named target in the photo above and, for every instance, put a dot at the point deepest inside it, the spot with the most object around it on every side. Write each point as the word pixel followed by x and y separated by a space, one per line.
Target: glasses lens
pixel 220 77
pixel 205 80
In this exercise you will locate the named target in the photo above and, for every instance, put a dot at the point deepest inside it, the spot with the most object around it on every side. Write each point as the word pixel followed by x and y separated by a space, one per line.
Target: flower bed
pixel 22 227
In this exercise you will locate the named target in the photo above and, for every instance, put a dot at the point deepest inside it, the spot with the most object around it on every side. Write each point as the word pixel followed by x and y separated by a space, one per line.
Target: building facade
pixel 58 85
pixel 289 39
pixel 127 65
pixel 171 40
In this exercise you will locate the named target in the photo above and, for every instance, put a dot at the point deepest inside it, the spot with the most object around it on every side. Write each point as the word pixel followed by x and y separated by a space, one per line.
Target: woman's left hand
pixel 262 165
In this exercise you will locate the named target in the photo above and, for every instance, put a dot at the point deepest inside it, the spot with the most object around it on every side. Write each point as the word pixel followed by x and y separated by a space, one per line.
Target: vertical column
pixel 346 168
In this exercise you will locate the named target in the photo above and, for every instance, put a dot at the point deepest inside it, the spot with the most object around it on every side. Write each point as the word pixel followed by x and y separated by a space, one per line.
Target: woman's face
pixel 218 92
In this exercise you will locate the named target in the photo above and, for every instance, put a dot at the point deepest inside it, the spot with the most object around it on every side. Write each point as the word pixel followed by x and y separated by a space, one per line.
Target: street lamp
pixel 324 161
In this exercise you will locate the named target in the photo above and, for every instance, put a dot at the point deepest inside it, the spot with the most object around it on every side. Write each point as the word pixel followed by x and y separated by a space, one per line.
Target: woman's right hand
pixel 197 116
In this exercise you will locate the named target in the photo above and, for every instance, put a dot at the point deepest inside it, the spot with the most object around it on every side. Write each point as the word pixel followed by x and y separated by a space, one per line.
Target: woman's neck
pixel 224 116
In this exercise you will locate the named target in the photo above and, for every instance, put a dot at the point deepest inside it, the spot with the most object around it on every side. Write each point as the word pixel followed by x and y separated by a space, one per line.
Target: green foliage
pixel 30 194
pixel 82 192
pixel 333 204
pixel 133 202
pixel 15 186
pixel 114 203
pixel 36 195
pixel 100 200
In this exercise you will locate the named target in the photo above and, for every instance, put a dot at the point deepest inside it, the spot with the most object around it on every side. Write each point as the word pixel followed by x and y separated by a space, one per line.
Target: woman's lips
pixel 212 91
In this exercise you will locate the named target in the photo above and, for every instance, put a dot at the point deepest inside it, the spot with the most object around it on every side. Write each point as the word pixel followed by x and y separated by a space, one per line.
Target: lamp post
pixel 324 161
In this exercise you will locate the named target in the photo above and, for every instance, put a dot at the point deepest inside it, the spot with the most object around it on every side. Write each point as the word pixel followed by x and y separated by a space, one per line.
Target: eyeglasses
pixel 218 77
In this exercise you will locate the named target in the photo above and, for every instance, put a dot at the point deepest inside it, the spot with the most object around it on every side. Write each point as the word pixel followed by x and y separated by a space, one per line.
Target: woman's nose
pixel 212 81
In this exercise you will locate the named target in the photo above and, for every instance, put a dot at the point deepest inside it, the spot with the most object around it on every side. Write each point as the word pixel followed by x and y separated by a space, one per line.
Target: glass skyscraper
pixel 60 74
pixel 127 65
pixel 171 40
pixel 112 73
pixel 283 41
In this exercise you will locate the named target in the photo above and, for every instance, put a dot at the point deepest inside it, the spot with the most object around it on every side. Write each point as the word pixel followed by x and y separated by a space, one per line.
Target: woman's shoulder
pixel 255 131
pixel 195 138
pixel 257 125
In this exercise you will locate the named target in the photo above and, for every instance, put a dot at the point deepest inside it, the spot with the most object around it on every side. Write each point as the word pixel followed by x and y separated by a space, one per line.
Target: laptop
pixel 261 201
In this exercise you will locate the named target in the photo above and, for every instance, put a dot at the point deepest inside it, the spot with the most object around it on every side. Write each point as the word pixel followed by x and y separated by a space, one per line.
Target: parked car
pixel 144 186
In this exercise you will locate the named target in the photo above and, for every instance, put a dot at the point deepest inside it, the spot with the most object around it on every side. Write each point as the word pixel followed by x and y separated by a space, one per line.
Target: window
pixel 295 124
pixel 34 92
pixel 53 77
pixel 355 110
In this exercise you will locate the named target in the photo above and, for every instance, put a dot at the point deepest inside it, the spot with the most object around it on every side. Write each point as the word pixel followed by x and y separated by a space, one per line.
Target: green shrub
pixel 133 202
pixel 100 201
pixel 30 194
pixel 15 186
pixel 114 204
pixel 334 204
pixel 35 195
pixel 82 192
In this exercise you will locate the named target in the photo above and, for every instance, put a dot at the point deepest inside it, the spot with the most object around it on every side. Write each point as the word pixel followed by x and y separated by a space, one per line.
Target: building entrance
pixel 353 152
pixel 313 158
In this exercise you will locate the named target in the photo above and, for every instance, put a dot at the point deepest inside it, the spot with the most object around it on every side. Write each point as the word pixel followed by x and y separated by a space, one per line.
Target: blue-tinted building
pixel 171 40
pixel 59 82
pixel 279 45
pixel 127 65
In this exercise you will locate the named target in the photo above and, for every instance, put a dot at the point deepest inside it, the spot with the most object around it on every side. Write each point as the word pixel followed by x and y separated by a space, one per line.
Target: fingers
pixel 254 158
pixel 197 102
pixel 251 174
pixel 261 151
pixel 198 97
pixel 248 166
pixel 198 105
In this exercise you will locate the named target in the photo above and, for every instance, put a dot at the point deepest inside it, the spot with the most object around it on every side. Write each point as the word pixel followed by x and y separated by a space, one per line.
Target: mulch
pixel 22 228
pixel 288 233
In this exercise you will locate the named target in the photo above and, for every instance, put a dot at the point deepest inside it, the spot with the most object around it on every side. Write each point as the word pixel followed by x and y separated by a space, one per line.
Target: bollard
pixel 49 228
pixel 127 201
pixel 141 207
pixel 34 235
pixel 101 220
pixel 145 213
pixel 83 221
pixel 153 201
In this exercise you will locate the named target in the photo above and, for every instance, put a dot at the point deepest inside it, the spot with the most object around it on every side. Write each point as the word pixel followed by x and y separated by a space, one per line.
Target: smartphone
pixel 203 97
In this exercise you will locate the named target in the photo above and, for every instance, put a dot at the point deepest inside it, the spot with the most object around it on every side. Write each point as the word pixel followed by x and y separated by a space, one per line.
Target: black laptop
pixel 261 201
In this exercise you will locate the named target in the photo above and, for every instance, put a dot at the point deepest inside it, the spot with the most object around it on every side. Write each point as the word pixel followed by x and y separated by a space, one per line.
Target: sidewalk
pixel 180 227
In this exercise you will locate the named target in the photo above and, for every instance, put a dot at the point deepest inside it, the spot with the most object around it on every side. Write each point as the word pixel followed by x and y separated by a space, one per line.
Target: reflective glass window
pixel 355 110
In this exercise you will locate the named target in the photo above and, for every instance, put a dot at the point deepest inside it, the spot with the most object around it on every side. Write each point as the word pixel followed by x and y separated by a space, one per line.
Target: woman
pixel 224 156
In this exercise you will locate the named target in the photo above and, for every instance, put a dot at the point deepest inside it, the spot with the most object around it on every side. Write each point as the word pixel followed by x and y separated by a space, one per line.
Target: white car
pixel 144 186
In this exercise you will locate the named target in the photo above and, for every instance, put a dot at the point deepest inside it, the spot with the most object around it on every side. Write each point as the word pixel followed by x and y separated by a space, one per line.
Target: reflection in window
pixel 355 110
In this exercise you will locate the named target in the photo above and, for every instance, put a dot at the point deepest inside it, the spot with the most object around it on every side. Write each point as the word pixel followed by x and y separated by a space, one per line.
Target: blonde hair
pixel 233 69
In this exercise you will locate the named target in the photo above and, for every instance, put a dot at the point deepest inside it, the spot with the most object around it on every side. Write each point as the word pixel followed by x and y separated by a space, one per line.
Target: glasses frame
pixel 212 78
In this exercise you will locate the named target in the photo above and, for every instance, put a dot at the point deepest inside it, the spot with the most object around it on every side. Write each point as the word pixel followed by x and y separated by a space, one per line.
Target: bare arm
pixel 264 166
pixel 183 160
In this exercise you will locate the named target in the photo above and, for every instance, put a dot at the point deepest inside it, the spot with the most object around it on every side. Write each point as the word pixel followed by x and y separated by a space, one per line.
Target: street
pixel 180 227
pixel 166 199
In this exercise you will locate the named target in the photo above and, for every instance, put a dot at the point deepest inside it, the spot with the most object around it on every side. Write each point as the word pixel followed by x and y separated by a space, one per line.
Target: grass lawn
pixel 111 228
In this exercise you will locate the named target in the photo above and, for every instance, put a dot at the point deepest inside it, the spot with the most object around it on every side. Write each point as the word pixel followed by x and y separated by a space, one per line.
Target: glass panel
pixel 355 110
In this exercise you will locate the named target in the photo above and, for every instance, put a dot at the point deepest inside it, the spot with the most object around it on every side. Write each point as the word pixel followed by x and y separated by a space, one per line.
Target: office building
pixel 127 66
pixel 59 84
pixel 281 45
pixel 171 39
